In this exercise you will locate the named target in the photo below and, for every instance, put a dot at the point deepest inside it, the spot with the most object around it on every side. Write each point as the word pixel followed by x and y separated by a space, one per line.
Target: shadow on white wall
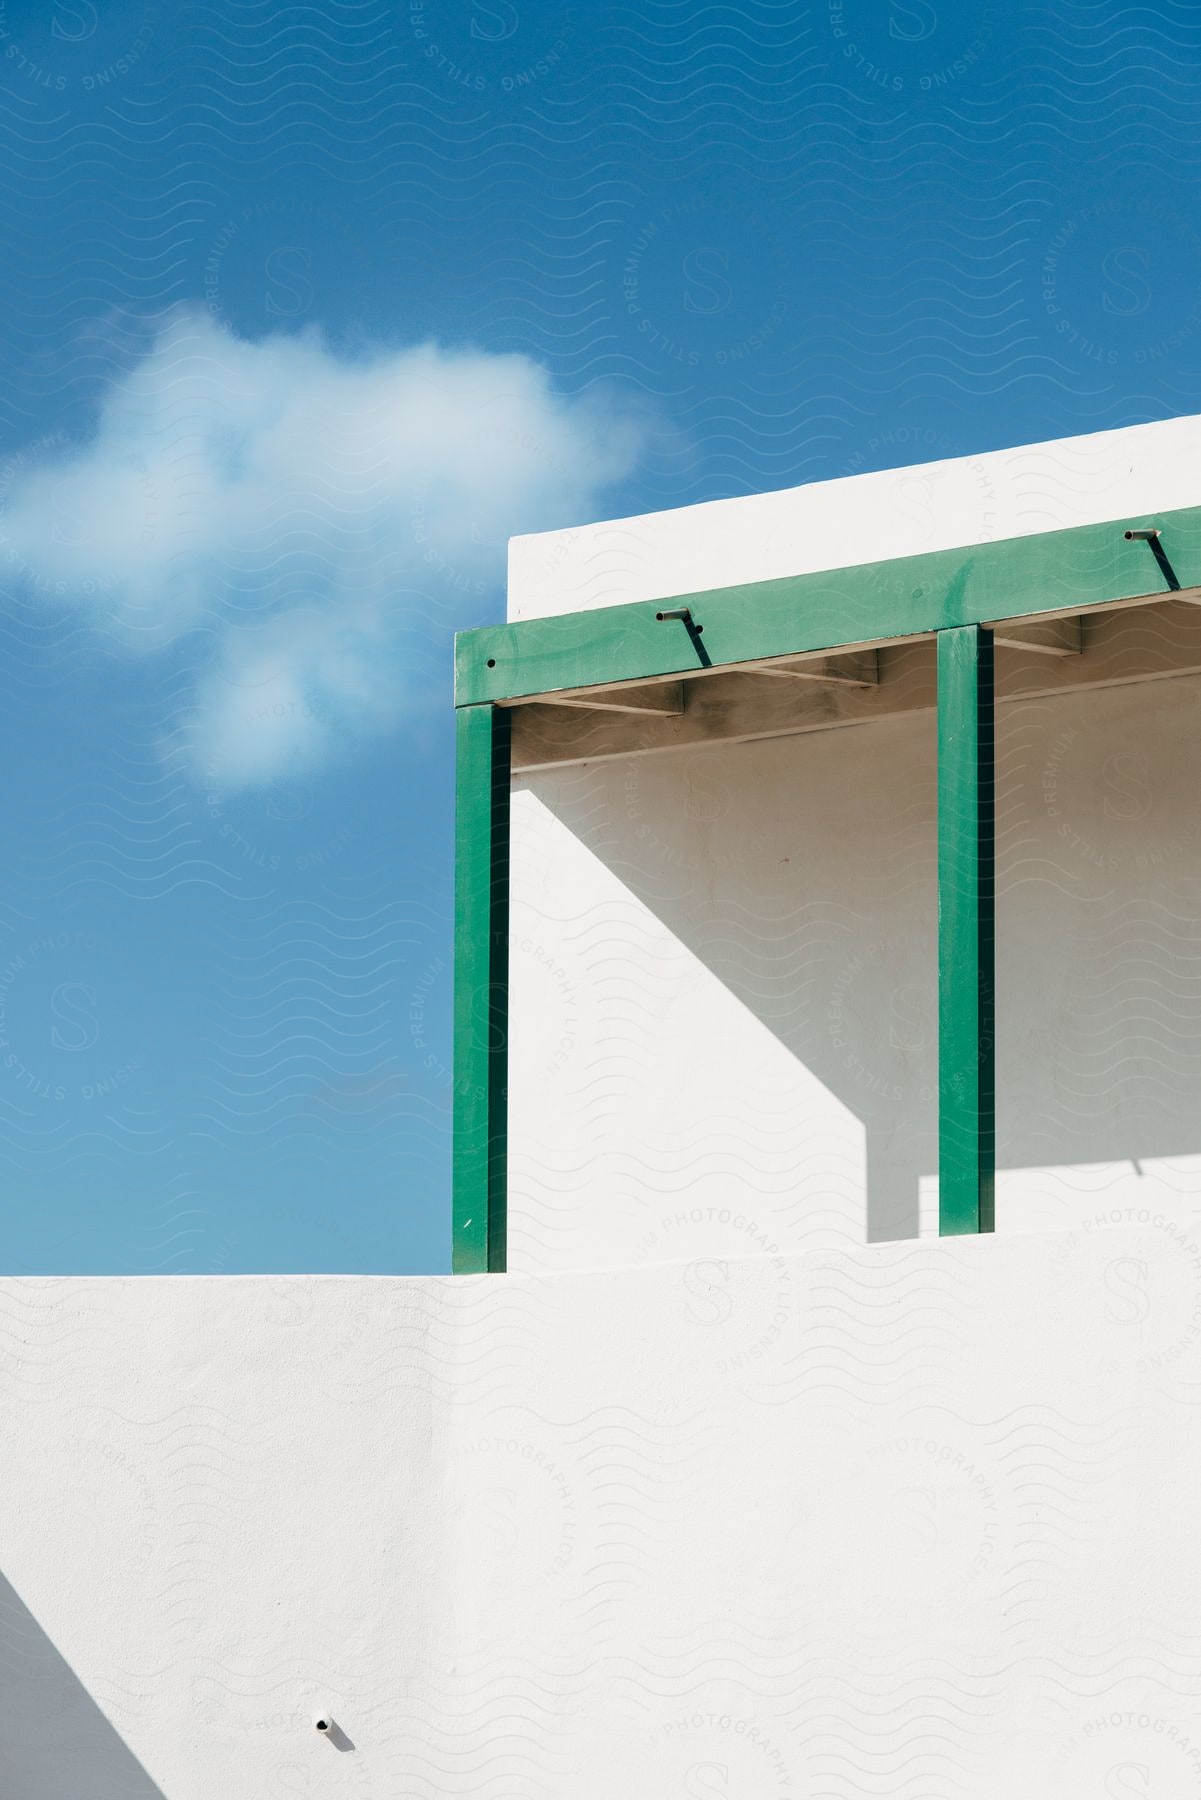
pixel 749 934
pixel 55 1742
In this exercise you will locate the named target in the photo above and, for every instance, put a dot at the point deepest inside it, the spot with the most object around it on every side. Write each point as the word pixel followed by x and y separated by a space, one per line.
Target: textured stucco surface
pixel 724 985
pixel 901 511
pixel 910 1520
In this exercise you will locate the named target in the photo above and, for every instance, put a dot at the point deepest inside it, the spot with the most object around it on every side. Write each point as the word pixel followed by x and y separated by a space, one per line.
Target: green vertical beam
pixel 481 988
pixel 966 932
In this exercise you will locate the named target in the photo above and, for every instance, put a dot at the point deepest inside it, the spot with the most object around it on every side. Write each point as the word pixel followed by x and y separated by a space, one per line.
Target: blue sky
pixel 305 309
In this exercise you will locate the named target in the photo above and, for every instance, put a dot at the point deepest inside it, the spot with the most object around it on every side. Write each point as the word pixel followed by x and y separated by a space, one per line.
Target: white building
pixel 742 1480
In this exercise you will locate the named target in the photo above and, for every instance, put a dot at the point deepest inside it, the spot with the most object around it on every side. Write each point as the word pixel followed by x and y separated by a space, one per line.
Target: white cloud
pixel 298 516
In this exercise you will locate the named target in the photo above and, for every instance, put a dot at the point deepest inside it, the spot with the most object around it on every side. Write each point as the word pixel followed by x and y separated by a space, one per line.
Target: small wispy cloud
pixel 293 520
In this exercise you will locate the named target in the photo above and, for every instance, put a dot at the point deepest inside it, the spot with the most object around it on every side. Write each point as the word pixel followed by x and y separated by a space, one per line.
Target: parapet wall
pixel 911 1519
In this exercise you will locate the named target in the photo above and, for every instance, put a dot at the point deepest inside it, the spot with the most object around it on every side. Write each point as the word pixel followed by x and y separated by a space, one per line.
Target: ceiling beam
pixel 661 699
pixel 861 670
pixel 736 706
pixel 1044 637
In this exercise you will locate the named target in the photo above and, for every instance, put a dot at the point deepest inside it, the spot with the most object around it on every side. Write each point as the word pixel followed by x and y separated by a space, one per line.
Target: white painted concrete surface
pixel 914 1520
pixel 724 976
pixel 859 518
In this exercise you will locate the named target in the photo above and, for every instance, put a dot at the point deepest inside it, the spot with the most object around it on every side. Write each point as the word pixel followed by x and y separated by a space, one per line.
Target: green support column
pixel 481 988
pixel 966 932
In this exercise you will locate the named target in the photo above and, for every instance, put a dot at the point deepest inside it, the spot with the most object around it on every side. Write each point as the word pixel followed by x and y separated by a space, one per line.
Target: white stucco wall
pixel 723 978
pixel 859 518
pixel 911 1520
